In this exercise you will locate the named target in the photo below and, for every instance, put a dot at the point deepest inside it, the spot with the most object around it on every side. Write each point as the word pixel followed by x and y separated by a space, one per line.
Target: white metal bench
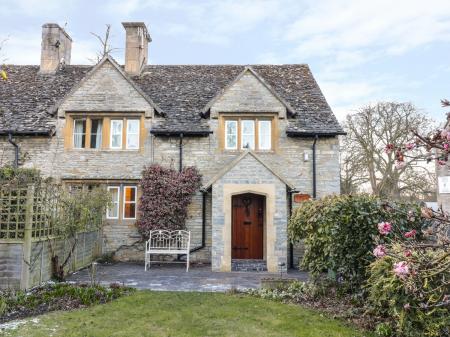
pixel 167 242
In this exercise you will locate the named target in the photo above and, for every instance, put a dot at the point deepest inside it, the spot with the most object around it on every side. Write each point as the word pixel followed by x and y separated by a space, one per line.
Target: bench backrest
pixel 169 240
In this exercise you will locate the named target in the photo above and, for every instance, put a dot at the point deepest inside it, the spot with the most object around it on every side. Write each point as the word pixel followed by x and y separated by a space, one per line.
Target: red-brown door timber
pixel 247 230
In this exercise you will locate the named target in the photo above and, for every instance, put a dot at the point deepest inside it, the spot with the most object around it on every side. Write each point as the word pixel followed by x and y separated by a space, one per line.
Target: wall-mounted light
pixel 305 156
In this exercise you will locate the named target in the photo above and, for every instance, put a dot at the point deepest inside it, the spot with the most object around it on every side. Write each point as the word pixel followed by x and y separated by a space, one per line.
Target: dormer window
pixel 252 133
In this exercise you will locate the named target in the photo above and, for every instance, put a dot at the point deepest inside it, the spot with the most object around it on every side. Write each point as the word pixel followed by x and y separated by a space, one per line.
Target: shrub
pixel 412 287
pixel 339 232
pixel 166 194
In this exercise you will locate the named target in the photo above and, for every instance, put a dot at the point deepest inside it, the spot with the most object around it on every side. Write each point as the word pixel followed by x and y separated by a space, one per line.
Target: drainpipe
pixel 181 152
pixel 16 150
pixel 203 245
pixel 316 137
pixel 291 245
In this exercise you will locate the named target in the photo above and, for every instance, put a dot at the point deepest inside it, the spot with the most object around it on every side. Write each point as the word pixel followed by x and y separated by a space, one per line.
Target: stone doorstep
pixel 248 265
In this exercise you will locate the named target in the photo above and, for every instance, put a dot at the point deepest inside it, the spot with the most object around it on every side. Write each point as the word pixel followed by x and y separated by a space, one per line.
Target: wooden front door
pixel 247 226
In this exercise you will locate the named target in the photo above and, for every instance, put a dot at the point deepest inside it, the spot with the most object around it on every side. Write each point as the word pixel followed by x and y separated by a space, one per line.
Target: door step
pixel 248 265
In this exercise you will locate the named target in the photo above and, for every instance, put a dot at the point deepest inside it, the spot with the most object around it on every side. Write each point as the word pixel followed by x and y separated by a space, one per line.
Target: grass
pixel 180 314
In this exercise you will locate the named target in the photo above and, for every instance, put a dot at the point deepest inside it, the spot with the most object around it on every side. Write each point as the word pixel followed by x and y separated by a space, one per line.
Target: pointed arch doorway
pixel 247 231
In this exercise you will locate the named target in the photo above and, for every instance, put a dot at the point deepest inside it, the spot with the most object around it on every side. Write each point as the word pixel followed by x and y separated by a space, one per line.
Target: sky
pixel 360 51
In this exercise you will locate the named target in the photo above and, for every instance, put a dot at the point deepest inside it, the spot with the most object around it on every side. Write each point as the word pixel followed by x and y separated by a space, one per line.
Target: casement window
pixel 79 133
pixel 96 133
pixel 116 134
pixel 248 133
pixel 101 132
pixel 132 134
pixel 129 202
pixel 231 134
pixel 265 134
pixel 113 209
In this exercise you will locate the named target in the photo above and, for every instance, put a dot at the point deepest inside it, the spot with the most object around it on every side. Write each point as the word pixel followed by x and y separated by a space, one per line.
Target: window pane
pixel 113 210
pixel 130 211
pixel 129 207
pixel 248 134
pixel 79 133
pixel 116 134
pixel 231 134
pixel 133 134
pixel 96 133
pixel 265 135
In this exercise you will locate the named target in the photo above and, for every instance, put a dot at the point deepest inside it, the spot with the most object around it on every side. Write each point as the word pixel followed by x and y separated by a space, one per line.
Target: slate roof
pixel 26 97
pixel 181 91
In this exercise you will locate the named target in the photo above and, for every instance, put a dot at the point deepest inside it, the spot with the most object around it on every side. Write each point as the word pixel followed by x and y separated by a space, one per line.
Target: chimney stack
pixel 136 47
pixel 56 47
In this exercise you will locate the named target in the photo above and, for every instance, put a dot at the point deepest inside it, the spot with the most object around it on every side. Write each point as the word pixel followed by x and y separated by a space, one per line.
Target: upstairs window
pixel 132 134
pixel 104 132
pixel 79 133
pixel 248 133
pixel 231 135
pixel 116 134
pixel 96 133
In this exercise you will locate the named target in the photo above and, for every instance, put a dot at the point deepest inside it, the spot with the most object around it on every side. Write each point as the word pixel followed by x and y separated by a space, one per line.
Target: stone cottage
pixel 262 136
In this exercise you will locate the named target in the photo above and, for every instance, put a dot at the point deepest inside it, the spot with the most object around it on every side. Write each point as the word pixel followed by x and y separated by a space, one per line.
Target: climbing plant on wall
pixel 166 195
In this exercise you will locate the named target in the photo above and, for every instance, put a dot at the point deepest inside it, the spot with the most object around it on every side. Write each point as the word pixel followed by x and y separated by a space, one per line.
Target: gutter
pixel 314 134
pixel 291 245
pixel 27 133
pixel 177 133
pixel 16 150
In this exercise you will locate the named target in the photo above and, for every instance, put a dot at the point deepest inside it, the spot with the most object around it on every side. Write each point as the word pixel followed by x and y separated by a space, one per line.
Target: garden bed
pixel 57 296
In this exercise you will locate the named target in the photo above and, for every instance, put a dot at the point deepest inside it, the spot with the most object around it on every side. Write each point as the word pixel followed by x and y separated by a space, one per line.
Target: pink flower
pixel 446 146
pixel 406 306
pixel 444 133
pixel 408 253
pixel 441 162
pixel 379 251
pixel 389 148
pixel 384 228
pixel 401 269
pixel 400 164
pixel 410 234
pixel 410 146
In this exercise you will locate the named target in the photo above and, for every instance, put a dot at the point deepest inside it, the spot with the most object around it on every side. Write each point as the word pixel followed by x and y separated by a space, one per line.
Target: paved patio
pixel 174 277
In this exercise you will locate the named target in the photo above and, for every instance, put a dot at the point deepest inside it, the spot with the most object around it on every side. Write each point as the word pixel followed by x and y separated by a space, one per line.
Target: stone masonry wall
pixel 108 91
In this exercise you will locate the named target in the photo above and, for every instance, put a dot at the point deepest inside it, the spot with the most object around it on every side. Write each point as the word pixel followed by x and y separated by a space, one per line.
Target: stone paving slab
pixel 174 277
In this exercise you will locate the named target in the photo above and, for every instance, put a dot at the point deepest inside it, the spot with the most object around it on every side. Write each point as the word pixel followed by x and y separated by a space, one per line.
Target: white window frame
pixel 242 134
pixel 236 122
pixel 116 202
pixel 111 134
pixel 260 134
pixel 73 133
pixel 129 202
pixel 134 134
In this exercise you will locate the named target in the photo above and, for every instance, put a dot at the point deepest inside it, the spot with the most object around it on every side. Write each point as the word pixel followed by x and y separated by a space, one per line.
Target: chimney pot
pixel 136 46
pixel 56 46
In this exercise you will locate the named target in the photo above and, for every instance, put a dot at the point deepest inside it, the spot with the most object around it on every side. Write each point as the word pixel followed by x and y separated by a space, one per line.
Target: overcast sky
pixel 360 51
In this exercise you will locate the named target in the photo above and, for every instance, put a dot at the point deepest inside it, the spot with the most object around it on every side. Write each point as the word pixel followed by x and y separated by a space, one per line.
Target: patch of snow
pixel 12 325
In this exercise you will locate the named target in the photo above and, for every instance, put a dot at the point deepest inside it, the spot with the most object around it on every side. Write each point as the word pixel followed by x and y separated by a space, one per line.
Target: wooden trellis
pixel 29 207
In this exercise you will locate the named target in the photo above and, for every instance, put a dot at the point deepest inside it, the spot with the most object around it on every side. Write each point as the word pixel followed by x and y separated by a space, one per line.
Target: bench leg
pixel 187 262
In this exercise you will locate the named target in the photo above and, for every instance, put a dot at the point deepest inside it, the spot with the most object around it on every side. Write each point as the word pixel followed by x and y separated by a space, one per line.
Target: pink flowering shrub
pixel 401 269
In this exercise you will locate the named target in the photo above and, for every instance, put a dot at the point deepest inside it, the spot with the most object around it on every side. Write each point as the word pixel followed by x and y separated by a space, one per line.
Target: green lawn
pixel 179 314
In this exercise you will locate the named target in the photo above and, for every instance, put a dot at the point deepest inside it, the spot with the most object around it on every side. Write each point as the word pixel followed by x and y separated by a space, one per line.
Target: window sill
pixel 241 151
pixel 104 150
